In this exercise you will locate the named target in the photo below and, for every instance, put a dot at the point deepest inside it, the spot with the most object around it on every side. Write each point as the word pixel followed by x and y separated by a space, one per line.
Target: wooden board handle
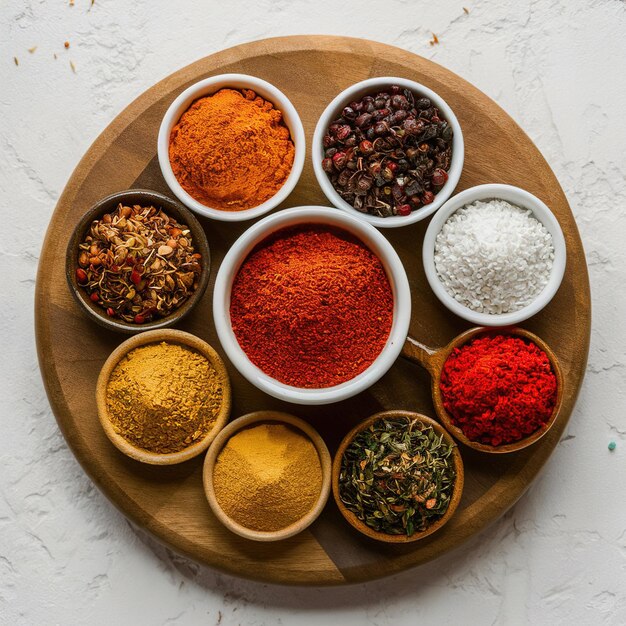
pixel 421 354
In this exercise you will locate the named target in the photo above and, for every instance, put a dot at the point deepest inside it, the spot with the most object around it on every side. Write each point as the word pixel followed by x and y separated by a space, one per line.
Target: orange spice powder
pixel 231 150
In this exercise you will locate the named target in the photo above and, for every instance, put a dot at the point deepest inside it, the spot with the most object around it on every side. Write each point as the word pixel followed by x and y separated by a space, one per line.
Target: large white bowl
pixel 356 92
pixel 518 197
pixel 207 87
pixel 373 240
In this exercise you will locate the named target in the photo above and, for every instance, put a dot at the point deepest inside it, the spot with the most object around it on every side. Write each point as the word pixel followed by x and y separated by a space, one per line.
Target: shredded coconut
pixel 494 257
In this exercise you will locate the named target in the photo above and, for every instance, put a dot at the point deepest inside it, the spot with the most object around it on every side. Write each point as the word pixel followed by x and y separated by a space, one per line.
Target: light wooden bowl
pixel 433 360
pixel 355 522
pixel 216 448
pixel 156 336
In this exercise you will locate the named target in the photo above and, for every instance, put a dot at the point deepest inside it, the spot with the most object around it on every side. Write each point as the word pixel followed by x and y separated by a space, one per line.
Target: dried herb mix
pixel 164 397
pixel 397 476
pixel 138 263
pixel 388 153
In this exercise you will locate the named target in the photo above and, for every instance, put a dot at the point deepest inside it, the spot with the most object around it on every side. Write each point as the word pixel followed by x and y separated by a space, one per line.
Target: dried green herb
pixel 397 476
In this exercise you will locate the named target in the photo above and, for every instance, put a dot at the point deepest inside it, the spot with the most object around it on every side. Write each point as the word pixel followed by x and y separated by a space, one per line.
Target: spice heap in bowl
pixel 311 305
pixel 388 149
pixel 231 147
pixel 500 391
pixel 494 255
pixel 137 260
pixel 163 396
pixel 397 477
pixel 267 476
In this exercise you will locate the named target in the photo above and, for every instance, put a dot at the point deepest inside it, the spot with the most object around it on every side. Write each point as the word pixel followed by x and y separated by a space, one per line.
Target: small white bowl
pixel 356 92
pixel 520 198
pixel 210 86
pixel 374 241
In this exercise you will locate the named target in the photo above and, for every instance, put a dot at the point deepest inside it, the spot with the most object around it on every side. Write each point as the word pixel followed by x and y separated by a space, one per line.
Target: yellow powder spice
pixel 164 397
pixel 267 477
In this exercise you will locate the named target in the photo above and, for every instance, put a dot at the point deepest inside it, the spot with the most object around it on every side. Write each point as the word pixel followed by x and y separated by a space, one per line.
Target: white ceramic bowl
pixel 518 197
pixel 373 240
pixel 209 86
pixel 356 92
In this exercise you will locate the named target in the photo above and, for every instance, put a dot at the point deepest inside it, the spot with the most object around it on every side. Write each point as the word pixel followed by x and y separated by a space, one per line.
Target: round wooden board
pixel 169 502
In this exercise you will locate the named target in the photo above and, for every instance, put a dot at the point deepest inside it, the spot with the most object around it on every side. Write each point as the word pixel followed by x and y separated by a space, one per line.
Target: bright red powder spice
pixel 498 389
pixel 312 306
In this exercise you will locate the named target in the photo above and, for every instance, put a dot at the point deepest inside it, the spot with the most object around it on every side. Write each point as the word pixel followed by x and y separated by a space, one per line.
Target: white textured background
pixel 68 557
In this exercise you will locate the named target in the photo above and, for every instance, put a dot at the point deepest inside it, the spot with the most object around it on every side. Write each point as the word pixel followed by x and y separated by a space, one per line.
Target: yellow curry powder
pixel 163 397
pixel 232 150
pixel 267 477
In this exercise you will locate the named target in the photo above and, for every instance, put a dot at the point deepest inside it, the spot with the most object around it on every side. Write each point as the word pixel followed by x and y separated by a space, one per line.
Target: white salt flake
pixel 494 257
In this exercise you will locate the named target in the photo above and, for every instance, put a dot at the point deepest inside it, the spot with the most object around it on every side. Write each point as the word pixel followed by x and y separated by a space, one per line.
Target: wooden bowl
pixel 220 442
pixel 433 360
pixel 141 197
pixel 355 522
pixel 157 336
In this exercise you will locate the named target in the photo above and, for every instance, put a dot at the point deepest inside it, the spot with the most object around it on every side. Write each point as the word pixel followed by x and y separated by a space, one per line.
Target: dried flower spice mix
pixel 138 263
pixel 164 397
pixel 311 306
pixel 498 389
pixel 397 476
pixel 232 150
pixel 388 153
pixel 267 477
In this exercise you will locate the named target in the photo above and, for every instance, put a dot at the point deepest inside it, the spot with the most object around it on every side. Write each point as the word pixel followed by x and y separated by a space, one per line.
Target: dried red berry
pixel 428 197
pixel 404 209
pixel 110 312
pixel 366 147
pixel 94 297
pixel 135 277
pixel 139 319
pixel 439 177
pixel 81 276
pixel 339 160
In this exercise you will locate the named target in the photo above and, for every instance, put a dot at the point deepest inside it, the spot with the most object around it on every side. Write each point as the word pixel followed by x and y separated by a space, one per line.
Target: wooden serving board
pixel 169 502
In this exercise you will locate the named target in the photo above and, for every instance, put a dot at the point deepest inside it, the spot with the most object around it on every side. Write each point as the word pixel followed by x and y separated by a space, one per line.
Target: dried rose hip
pixel 388 153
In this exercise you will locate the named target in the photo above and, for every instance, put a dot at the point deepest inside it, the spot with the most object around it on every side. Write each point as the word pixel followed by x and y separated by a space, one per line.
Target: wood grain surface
pixel 169 502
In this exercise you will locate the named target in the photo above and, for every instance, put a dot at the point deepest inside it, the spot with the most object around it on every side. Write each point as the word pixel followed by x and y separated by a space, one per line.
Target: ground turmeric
pixel 267 476
pixel 231 150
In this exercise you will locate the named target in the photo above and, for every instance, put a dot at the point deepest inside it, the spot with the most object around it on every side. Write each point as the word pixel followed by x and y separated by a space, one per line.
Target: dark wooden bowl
pixel 142 197
pixel 355 522
pixel 433 360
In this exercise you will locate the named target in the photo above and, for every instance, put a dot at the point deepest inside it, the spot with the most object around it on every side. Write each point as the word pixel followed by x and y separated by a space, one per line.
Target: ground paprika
pixel 311 306
pixel 498 389
pixel 231 150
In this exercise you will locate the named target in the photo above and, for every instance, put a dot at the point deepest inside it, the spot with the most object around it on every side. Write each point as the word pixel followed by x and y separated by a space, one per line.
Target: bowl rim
pixel 209 86
pixel 173 208
pixel 457 492
pixel 158 336
pixel 362 88
pixel 374 240
pixel 236 426
pixel 519 197
pixel 463 339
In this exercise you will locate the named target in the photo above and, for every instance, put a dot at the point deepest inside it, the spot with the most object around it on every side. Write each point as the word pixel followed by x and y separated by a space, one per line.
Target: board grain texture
pixel 169 502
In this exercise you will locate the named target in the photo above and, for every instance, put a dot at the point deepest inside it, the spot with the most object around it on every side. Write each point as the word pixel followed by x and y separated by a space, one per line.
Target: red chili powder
pixel 498 389
pixel 311 306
